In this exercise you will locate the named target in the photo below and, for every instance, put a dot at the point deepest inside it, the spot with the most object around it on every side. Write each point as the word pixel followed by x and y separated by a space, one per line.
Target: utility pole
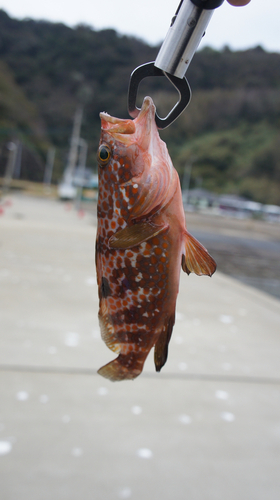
pixel 82 167
pixel 17 168
pixel 49 167
pixel 83 154
pixel 11 163
pixel 74 145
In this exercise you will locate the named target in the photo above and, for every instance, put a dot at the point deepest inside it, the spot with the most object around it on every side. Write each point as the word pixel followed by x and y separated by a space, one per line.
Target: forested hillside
pixel 229 133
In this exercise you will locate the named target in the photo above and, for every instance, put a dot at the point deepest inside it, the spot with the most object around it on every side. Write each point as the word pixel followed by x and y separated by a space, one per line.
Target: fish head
pixel 131 153
pixel 127 143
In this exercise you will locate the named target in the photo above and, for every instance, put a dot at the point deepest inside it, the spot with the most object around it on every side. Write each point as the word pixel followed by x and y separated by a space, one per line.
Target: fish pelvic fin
pixel 116 371
pixel 196 259
pixel 136 234
pixel 161 346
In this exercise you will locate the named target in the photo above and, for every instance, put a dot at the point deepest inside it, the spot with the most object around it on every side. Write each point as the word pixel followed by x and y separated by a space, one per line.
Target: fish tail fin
pixel 196 259
pixel 124 367
pixel 161 346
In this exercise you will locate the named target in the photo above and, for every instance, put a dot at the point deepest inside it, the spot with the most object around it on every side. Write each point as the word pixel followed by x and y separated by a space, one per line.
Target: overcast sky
pixel 258 23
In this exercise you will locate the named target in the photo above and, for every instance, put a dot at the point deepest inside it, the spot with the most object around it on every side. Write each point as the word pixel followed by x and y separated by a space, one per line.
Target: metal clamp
pixel 184 35
pixel 181 85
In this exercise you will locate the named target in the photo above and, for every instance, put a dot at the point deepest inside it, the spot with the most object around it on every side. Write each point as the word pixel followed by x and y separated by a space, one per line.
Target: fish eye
pixel 103 154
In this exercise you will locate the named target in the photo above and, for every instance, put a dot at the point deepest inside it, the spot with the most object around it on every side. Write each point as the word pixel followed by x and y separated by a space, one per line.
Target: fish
pixel 141 243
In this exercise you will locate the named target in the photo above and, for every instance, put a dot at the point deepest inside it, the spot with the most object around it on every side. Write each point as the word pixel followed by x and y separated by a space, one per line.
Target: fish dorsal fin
pixel 161 346
pixel 196 259
pixel 136 234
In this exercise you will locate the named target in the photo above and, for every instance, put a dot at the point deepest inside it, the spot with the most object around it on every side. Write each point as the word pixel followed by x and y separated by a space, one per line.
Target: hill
pixel 20 120
pixel 230 131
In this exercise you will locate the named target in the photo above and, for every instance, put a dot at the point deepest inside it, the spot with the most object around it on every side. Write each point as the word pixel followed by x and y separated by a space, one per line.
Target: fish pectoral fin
pixel 196 259
pixel 161 346
pixel 136 234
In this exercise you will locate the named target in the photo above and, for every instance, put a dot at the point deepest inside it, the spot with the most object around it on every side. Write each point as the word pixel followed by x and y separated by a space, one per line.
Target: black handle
pixel 207 4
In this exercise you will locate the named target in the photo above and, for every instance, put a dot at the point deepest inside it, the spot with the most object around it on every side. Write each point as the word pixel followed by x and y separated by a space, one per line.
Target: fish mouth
pixel 116 125
pixel 119 127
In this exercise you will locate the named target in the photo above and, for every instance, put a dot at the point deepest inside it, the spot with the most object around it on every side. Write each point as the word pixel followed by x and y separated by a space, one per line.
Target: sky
pixel 237 27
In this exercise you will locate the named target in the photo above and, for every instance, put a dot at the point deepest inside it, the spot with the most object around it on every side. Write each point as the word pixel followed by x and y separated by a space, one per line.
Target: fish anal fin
pixel 196 259
pixel 161 346
pixel 136 234
pixel 106 328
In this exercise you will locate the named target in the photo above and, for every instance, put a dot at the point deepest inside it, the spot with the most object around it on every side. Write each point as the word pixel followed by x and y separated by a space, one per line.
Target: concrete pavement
pixel 206 428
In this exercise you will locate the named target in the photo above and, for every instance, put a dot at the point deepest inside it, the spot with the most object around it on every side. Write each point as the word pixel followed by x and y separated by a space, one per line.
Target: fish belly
pixel 137 302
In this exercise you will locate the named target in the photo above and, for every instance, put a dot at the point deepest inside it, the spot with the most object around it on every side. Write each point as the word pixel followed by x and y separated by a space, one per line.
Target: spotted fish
pixel 141 244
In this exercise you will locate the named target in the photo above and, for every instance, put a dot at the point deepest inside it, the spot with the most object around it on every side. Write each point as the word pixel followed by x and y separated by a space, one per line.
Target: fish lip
pixel 148 107
pixel 108 118
pixel 116 126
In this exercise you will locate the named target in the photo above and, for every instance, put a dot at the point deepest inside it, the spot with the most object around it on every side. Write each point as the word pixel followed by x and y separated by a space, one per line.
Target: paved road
pixel 251 260
pixel 206 428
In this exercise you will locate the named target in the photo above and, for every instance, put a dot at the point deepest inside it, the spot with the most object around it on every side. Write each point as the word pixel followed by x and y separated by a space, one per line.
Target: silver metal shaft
pixel 183 37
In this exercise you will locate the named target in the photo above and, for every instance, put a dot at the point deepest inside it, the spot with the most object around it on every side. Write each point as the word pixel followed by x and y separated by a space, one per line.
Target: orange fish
pixel 142 243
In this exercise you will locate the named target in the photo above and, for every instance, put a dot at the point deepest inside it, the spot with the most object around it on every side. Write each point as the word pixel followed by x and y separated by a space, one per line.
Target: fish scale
pixel 141 243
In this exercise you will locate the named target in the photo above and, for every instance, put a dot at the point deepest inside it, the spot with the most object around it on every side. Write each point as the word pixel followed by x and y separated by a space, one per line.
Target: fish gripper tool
pixel 187 28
